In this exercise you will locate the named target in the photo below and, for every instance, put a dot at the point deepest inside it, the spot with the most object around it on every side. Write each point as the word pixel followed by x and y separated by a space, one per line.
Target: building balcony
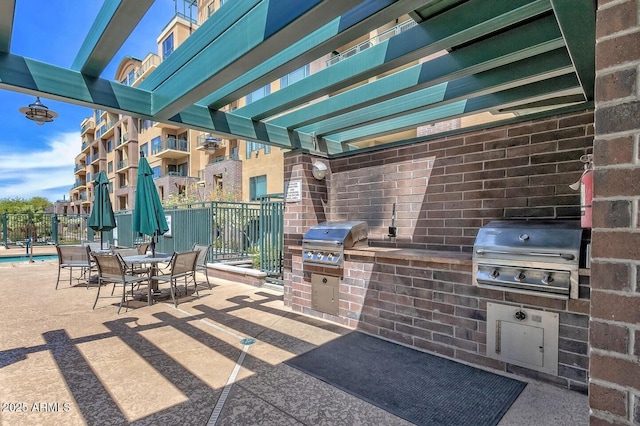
pixel 80 169
pixel 95 158
pixel 110 125
pixel 123 139
pixel 148 65
pixel 89 125
pixel 171 148
pixel 86 144
pixel 391 32
pixel 222 158
pixel 170 126
pixel 122 164
pixel 80 183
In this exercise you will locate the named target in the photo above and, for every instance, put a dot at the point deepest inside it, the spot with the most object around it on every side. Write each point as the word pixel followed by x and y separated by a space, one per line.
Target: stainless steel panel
pixel 549 241
pixel 325 293
pixel 524 337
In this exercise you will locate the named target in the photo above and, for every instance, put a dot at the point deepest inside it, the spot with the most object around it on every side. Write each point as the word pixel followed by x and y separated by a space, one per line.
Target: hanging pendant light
pixel 38 112
pixel 211 144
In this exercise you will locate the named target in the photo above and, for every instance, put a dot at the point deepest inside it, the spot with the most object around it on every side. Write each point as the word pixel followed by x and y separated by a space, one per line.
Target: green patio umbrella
pixel 101 218
pixel 148 214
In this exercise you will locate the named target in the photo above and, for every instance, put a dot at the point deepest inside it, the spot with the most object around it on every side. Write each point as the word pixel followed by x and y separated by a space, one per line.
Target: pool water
pixel 36 258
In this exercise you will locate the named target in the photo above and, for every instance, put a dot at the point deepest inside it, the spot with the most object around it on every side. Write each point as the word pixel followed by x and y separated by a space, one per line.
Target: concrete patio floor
pixel 62 363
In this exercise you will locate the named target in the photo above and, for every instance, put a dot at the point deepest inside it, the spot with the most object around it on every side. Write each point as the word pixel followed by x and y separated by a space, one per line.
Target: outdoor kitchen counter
pixel 381 253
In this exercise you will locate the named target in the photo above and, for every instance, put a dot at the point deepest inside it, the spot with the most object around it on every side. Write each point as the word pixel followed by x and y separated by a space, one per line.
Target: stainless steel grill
pixel 324 244
pixel 532 257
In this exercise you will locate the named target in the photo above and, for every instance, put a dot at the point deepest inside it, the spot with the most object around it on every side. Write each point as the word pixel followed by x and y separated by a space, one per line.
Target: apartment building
pixel 190 165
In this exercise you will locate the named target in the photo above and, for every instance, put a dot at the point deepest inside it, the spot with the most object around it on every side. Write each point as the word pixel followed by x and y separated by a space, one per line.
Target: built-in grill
pixel 324 244
pixel 532 257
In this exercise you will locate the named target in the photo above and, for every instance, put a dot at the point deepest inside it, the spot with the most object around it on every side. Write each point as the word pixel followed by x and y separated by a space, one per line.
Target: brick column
pixel 300 215
pixel 614 389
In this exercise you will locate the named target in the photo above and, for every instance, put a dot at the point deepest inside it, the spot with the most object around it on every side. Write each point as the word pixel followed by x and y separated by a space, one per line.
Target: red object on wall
pixel 586 198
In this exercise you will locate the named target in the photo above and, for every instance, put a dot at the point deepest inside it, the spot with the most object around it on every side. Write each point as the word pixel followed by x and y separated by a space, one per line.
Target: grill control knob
pixel 519 276
pixel 547 279
pixel 494 274
pixel 523 237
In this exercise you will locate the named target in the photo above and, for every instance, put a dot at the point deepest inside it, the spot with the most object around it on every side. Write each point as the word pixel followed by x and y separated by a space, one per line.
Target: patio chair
pixel 201 264
pixel 74 257
pixel 137 268
pixel 112 269
pixel 183 265
pixel 142 248
pixel 96 247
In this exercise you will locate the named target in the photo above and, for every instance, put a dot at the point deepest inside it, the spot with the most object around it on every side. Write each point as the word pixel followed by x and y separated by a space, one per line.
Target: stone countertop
pixel 438 256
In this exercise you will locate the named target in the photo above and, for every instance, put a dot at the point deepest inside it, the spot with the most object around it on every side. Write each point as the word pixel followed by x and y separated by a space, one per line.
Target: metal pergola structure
pixel 518 56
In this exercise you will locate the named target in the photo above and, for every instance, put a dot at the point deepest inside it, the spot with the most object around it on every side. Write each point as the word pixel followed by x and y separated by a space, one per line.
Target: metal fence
pixel 249 232
pixel 21 229
pixel 243 232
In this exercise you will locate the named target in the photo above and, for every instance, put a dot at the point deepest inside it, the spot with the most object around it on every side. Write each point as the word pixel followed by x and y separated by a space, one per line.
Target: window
pixel 110 145
pixel 258 94
pixel 144 148
pixel 167 46
pixel 255 147
pixel 294 76
pixel 110 167
pixel 110 187
pixel 257 187
pixel 129 78
pixel 156 172
pixel 183 169
pixel 156 145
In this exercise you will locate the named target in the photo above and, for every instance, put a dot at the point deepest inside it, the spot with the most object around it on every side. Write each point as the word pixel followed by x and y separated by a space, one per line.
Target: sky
pixel 38 161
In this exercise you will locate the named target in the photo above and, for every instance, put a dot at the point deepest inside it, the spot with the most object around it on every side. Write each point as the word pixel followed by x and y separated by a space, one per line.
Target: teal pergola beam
pixel 556 87
pixel 111 28
pixel 577 20
pixel 454 27
pixel 367 16
pixel 534 38
pixel 38 78
pixel 227 125
pixel 25 75
pixel 257 36
pixel 526 71
pixel 7 12
pixel 209 31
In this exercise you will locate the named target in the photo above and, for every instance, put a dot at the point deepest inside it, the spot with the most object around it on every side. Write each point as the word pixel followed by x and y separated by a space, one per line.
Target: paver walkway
pixel 213 360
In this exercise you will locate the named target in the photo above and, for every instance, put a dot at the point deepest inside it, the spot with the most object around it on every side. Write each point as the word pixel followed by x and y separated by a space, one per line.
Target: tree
pixel 22 205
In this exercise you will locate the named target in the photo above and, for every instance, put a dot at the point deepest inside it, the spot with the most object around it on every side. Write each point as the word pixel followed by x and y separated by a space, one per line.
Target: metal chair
pixel 112 269
pixel 201 264
pixel 98 247
pixel 142 248
pixel 183 265
pixel 135 269
pixel 78 257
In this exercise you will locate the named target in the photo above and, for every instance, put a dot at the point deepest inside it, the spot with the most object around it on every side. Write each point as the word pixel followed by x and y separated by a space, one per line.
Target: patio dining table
pixel 149 259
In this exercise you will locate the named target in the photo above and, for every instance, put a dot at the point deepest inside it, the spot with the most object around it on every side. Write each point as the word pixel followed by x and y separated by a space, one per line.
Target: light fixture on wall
pixel 319 170
pixel 38 112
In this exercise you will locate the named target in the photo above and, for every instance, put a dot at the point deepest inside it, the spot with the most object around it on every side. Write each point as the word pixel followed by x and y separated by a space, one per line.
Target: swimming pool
pixel 24 258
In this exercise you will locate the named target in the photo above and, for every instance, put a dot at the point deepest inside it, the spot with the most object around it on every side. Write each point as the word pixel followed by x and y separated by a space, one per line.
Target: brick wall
pixel 614 390
pixel 445 189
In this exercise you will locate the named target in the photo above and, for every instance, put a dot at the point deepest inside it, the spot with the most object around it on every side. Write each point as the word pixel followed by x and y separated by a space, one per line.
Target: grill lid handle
pixel 515 253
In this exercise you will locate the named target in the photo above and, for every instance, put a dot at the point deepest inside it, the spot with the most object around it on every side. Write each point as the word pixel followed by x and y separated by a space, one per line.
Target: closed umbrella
pixel 148 214
pixel 101 217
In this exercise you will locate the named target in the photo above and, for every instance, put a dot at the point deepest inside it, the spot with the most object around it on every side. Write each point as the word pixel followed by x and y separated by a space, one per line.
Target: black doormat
pixel 418 387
